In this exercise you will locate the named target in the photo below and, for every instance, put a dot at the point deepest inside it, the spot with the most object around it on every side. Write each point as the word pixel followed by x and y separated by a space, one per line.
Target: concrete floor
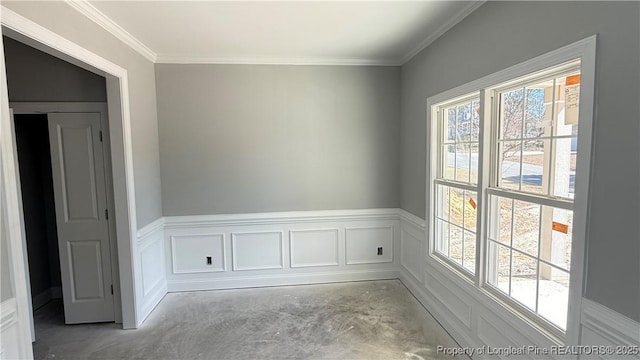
pixel 357 320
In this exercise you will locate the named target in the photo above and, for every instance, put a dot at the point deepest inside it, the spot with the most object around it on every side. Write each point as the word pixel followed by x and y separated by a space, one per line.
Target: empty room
pixel 320 179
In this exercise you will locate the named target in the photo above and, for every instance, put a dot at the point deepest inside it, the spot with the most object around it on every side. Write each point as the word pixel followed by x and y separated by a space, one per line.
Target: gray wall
pixel 501 34
pixel 36 76
pixel 144 125
pixel 244 138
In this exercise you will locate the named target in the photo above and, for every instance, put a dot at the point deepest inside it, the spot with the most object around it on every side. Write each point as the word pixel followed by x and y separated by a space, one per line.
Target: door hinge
pixel 100 135
pixel 106 213
pixel 111 289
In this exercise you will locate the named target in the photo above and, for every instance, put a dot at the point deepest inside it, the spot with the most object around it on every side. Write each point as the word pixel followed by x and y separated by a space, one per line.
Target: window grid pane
pixel 456 225
pixel 537 137
pixel 537 239
pixel 459 130
pixel 455 207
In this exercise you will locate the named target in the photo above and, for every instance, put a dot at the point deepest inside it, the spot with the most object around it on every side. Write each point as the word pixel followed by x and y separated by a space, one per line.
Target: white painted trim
pixel 404 233
pixel 280 280
pixel 361 262
pixel 223 252
pixel 483 306
pixel 411 219
pixel 22 227
pixel 234 252
pixel 145 243
pixel 187 59
pixel 610 324
pixel 102 20
pixel 150 302
pixel 42 107
pixel 457 332
pixel 284 224
pixel 412 226
pixel 150 228
pixel 453 21
pixel 13 231
pixel 151 234
pixel 179 222
pixel 43 39
pixel 303 265
pixel 8 313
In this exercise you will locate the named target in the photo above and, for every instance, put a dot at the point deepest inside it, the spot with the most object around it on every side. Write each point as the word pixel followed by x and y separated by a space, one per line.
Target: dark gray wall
pixel 34 159
pixel 257 138
pixel 35 76
pixel 501 34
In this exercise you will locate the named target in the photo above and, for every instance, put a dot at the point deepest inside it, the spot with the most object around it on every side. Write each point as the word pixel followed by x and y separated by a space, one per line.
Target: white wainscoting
pixel 186 248
pixel 601 326
pixel 319 247
pixel 369 245
pixel 9 331
pixel 151 283
pixel 260 250
pixel 285 248
pixel 476 319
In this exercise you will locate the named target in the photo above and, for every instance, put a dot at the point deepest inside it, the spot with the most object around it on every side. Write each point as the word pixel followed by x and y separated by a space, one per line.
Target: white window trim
pixel 466 98
pixel 585 50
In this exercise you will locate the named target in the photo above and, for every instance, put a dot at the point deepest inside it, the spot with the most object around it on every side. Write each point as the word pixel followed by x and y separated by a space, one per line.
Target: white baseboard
pixel 150 302
pixel 280 280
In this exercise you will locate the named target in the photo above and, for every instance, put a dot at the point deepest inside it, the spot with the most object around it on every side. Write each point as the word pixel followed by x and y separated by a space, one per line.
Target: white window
pixel 456 182
pixel 530 196
pixel 503 165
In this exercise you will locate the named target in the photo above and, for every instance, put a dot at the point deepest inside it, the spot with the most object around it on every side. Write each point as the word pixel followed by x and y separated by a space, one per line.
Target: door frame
pixel 27 108
pixel 30 33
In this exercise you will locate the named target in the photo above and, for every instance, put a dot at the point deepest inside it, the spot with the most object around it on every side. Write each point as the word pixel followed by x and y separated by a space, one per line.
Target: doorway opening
pixel 66 192
pixel 36 181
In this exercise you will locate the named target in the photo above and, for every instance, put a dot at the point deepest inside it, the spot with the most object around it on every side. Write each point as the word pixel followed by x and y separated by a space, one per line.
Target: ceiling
pixel 285 32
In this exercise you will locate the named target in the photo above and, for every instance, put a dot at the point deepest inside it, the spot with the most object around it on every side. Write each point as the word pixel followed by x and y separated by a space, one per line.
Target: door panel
pixel 78 174
pixel 86 267
pixel 83 229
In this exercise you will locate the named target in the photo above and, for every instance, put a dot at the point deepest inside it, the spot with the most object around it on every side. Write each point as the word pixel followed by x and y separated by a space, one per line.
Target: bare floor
pixel 357 320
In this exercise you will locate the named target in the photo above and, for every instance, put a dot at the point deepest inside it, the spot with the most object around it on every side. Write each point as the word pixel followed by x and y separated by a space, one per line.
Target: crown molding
pixel 98 17
pixel 185 59
pixel 459 16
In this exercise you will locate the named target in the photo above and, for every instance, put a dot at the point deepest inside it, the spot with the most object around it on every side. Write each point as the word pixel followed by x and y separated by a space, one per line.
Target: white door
pixel 77 165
